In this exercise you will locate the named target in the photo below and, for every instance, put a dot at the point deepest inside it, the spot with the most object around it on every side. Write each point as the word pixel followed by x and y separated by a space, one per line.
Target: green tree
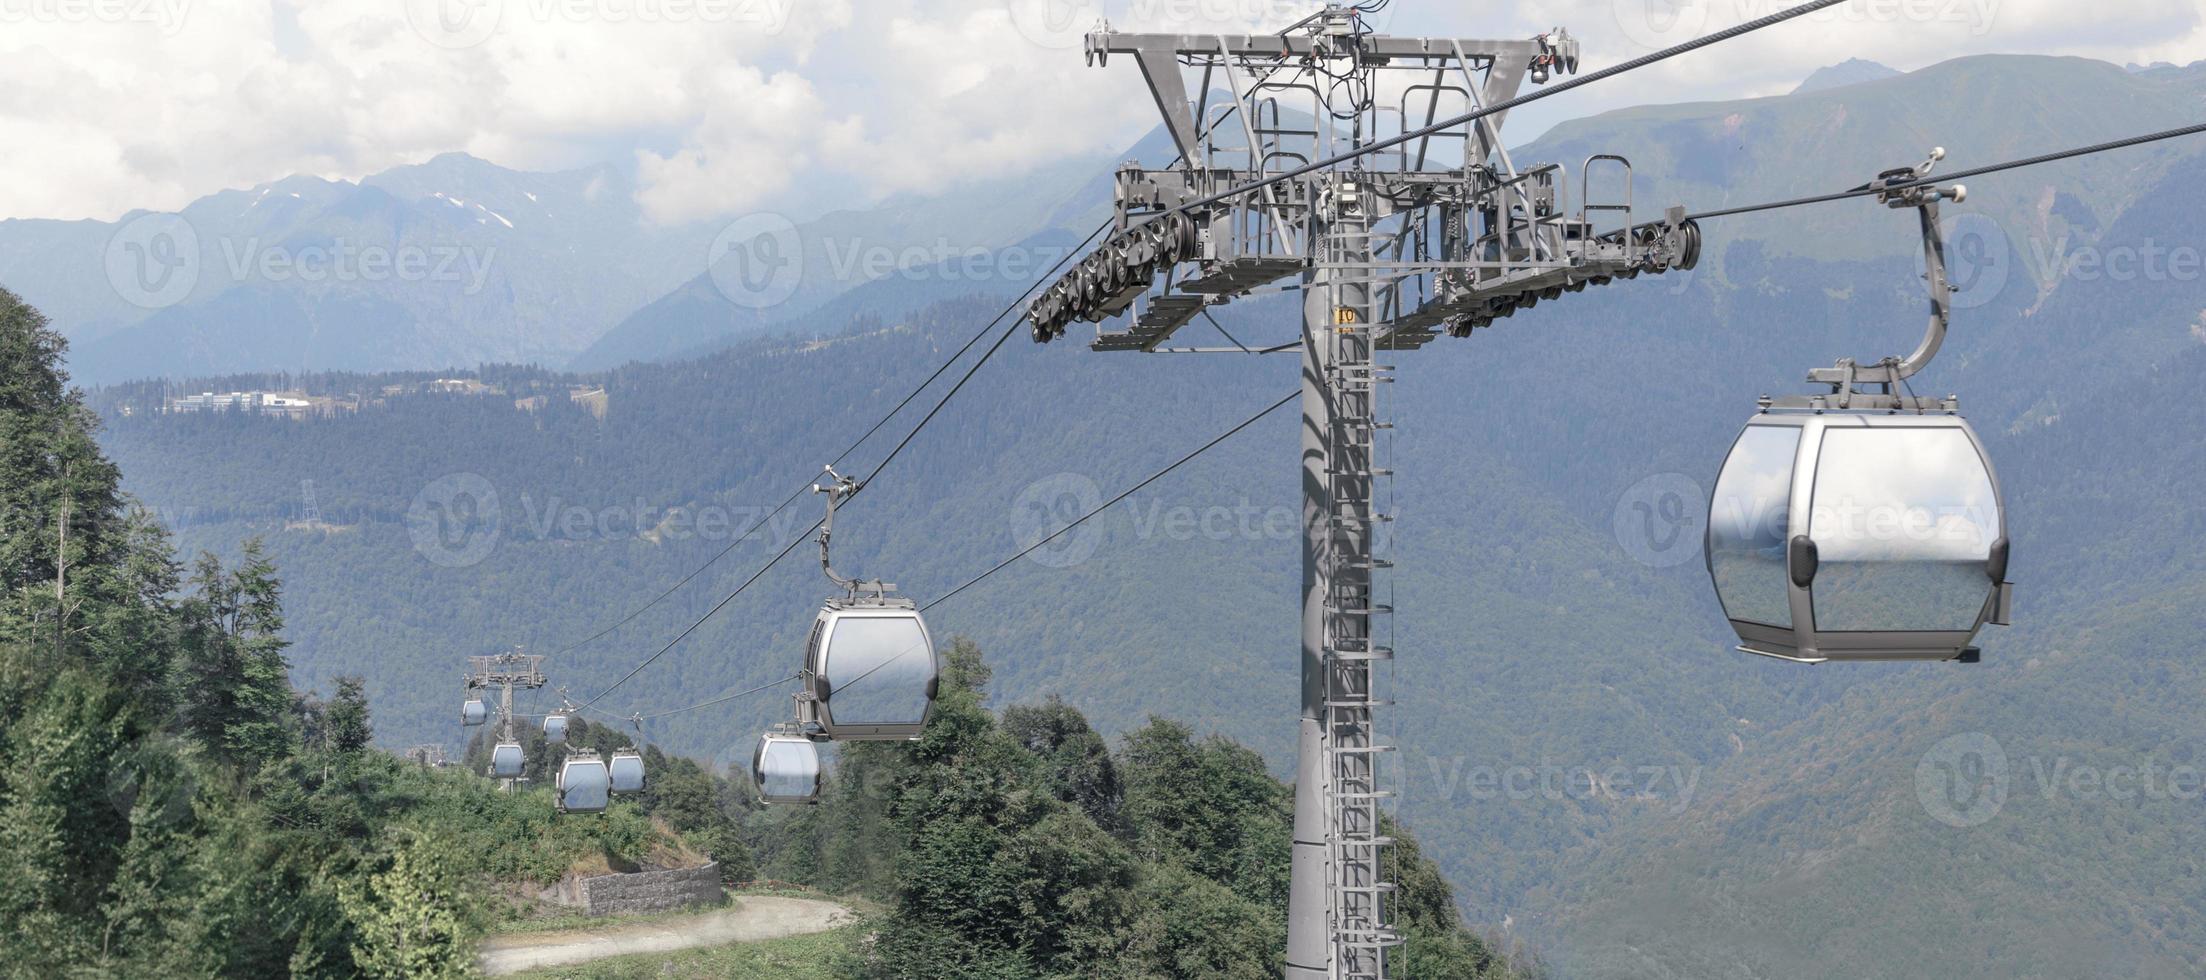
pixel 1077 760
pixel 413 918
pixel 345 719
pixel 236 687
pixel 60 502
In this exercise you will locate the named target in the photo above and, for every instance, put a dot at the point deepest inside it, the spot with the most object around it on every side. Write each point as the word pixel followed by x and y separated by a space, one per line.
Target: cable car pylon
pixel 504 671
pixel 1401 222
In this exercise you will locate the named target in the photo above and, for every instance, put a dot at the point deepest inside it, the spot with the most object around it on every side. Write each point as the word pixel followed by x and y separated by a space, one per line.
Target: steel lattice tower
pixel 1389 248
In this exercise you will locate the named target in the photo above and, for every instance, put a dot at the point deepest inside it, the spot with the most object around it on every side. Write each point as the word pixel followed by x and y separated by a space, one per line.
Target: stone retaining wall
pixel 652 891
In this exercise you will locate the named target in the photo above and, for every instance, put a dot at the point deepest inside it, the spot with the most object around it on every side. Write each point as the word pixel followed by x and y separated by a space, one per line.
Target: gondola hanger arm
pixel 838 488
pixel 1902 187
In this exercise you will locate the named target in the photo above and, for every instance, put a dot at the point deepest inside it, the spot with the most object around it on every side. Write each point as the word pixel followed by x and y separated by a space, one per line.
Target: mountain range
pixel 1592 766
pixel 457 262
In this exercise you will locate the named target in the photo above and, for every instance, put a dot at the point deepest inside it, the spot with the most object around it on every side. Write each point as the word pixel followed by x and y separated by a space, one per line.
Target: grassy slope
pixel 811 957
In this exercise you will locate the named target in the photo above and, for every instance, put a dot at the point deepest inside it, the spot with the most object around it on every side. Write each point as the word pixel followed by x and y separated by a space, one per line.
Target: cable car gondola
pixel 555 729
pixel 1863 525
pixel 786 768
pixel 870 668
pixel 506 760
pixel 474 712
pixel 627 771
pixel 583 785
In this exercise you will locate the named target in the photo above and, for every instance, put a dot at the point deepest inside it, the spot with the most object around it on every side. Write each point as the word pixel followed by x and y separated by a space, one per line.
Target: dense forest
pixel 170 804
pixel 1535 636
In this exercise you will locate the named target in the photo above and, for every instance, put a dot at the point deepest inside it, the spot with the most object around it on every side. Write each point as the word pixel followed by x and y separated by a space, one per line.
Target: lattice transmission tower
pixel 1442 232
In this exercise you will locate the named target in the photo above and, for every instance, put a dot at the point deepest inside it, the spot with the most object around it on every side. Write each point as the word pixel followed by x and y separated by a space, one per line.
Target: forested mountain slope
pixel 171 805
pixel 1548 627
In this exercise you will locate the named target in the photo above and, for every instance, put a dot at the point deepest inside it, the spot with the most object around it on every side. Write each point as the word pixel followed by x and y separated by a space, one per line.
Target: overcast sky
pixel 721 105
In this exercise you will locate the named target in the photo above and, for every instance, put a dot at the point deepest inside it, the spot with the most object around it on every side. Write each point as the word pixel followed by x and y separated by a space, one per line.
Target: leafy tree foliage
pixel 236 683
pixel 159 813
pixel 413 918
pixel 346 717
pixel 170 805
pixel 1025 847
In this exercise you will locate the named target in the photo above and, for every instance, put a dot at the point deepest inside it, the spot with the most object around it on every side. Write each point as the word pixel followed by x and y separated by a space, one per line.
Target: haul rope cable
pixel 1053 535
pixel 985 357
pixel 1507 104
pixel 800 491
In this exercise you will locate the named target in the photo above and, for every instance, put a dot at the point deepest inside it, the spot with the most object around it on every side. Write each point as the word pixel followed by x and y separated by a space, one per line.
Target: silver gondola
pixel 506 760
pixel 1840 536
pixel 870 668
pixel 582 785
pixel 555 729
pixel 1863 525
pixel 786 768
pixel 627 771
pixel 474 712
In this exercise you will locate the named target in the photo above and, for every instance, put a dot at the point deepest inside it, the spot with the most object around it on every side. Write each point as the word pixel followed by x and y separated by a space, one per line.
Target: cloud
pixel 725 105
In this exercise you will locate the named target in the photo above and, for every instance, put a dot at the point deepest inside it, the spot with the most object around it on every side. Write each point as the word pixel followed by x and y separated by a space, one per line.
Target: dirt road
pixel 753 918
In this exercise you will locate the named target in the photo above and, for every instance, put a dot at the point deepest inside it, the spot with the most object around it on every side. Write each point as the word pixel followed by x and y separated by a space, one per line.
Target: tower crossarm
pixel 1460 236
